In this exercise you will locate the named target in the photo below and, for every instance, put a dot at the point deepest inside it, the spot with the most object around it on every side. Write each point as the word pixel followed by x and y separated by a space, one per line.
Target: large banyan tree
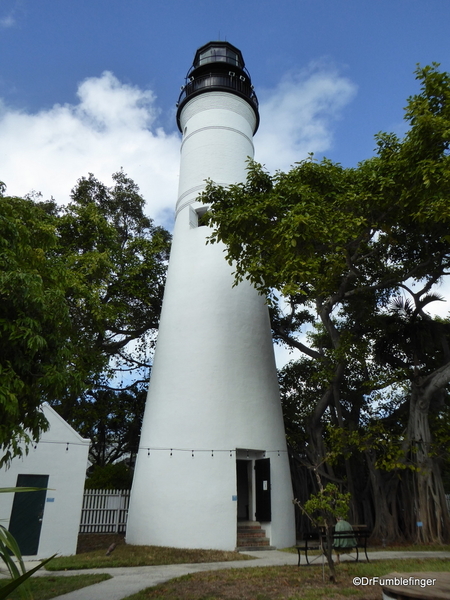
pixel 353 256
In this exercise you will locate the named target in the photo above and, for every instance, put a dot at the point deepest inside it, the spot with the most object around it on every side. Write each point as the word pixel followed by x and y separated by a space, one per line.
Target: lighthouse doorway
pixel 244 489
pixel 253 486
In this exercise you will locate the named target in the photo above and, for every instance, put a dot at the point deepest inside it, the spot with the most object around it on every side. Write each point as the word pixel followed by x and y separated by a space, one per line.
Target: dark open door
pixel 27 512
pixel 262 484
pixel 243 513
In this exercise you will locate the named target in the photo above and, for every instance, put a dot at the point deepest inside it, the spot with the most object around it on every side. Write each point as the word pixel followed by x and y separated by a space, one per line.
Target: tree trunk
pixel 430 508
pixel 329 550
pixel 384 492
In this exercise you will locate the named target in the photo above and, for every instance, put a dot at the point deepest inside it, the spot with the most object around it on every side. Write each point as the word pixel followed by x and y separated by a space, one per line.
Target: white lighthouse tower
pixel 212 449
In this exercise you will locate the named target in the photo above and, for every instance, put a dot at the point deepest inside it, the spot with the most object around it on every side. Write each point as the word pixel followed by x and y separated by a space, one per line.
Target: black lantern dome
pixel 218 66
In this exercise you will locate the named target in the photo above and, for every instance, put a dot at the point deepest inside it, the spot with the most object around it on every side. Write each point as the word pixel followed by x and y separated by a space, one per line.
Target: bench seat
pixel 317 541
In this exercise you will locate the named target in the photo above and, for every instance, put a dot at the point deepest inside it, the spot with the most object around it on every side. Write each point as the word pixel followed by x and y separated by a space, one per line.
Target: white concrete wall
pixel 184 501
pixel 67 472
pixel 213 387
pixel 217 141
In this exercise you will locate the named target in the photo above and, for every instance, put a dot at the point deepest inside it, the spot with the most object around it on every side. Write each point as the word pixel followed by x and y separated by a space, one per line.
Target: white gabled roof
pixel 60 430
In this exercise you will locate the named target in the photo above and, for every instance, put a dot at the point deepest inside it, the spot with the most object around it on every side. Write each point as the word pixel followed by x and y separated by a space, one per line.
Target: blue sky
pixel 329 75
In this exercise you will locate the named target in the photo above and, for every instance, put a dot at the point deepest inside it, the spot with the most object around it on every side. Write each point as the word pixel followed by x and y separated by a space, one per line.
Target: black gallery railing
pixel 217 81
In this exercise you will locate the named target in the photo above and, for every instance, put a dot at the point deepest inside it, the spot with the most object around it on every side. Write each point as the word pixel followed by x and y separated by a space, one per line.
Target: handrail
pixel 219 80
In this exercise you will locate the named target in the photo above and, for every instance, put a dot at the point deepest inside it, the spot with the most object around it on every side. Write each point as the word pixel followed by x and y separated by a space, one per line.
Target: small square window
pixel 197 217
pixel 201 216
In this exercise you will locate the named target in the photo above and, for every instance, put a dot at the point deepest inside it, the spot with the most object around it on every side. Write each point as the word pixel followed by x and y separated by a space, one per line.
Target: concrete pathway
pixel 130 580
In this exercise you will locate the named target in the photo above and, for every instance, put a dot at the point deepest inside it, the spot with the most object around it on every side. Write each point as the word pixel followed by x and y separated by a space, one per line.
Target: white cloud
pixel 297 116
pixel 9 15
pixel 7 21
pixel 112 126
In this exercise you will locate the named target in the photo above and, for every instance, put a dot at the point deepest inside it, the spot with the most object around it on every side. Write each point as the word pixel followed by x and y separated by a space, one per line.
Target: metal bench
pixel 318 541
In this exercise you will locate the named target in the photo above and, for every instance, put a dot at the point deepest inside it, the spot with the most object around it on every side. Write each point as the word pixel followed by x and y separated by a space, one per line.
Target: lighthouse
pixel 212 456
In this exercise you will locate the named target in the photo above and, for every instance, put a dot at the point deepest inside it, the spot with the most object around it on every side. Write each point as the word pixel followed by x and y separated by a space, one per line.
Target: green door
pixel 27 513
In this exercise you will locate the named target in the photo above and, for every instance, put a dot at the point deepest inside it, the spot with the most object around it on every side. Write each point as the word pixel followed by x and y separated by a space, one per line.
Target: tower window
pixel 201 216
pixel 197 216
pixel 218 54
pixel 232 57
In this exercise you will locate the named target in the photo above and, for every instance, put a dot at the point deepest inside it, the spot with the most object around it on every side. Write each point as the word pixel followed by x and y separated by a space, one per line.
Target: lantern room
pixel 218 66
pixel 218 52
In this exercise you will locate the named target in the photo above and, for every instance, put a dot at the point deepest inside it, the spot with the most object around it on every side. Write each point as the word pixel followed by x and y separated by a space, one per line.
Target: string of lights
pixel 59 443
pixel 193 451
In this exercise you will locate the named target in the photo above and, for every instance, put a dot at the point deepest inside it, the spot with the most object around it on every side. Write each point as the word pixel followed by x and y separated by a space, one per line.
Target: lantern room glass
pixel 218 54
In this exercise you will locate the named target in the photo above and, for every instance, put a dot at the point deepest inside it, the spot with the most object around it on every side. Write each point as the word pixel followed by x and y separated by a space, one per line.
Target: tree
pixel 340 244
pixel 35 348
pixel 323 509
pixel 81 291
pixel 419 345
pixel 118 261
pixel 116 476
pixel 112 420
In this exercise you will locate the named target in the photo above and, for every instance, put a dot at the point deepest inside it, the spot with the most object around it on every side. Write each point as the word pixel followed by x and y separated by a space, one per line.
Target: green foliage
pixel 10 553
pixel 334 249
pixel 323 509
pixel 327 505
pixel 77 285
pixel 35 356
pixel 290 231
pixel 299 388
pixel 322 229
pixel 112 420
pixel 20 581
pixel 118 260
pixel 110 477
pixel 375 439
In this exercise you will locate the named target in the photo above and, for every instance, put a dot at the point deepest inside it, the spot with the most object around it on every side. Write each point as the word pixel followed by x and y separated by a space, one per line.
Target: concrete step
pixel 254 548
pixel 249 525
pixel 253 542
pixel 250 535
pixel 253 538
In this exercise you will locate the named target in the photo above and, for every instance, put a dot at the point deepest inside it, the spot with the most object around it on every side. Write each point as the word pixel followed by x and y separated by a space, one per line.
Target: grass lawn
pixel 126 555
pixel 412 548
pixel 285 583
pixel 91 554
pixel 43 588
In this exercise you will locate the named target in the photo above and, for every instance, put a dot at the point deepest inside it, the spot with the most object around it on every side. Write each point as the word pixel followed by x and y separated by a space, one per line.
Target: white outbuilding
pixel 47 522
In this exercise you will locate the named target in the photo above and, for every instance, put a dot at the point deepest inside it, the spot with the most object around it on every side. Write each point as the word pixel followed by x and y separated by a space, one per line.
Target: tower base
pixel 193 499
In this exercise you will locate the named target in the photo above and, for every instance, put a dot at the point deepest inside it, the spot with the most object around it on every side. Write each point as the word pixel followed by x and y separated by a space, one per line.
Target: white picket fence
pixel 104 511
